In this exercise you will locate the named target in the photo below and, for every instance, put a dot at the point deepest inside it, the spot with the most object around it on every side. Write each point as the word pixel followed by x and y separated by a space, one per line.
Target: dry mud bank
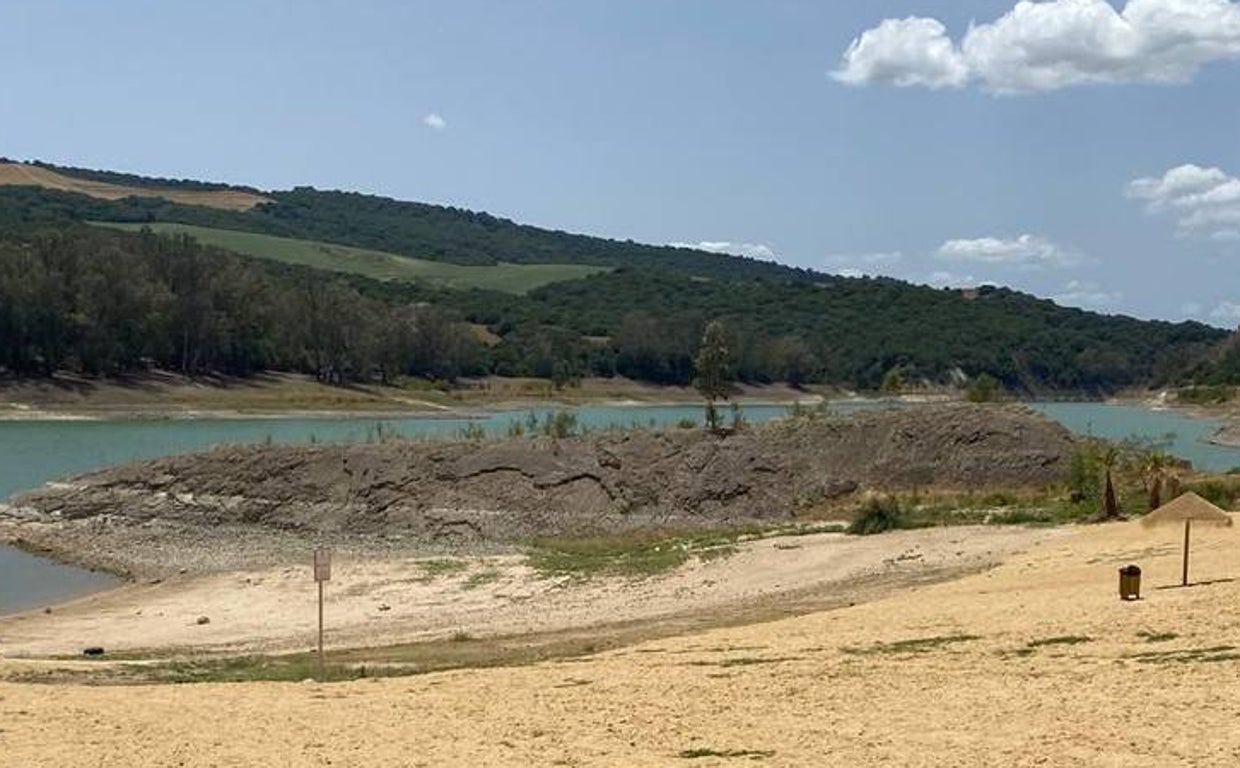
pixel 247 507
pixel 1034 663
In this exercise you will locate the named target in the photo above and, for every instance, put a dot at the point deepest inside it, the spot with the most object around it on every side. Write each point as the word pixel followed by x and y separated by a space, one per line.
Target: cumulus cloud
pixel 751 250
pixel 1026 251
pixel 1086 294
pixel 1044 46
pixel 904 52
pixel 1205 201
pixel 435 122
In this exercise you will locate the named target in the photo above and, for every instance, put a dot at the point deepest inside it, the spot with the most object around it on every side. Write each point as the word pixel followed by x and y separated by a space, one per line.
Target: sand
pixel 984 688
pixel 372 602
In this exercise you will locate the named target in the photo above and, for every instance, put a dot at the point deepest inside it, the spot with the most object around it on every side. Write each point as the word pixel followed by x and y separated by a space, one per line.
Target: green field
pixel 510 278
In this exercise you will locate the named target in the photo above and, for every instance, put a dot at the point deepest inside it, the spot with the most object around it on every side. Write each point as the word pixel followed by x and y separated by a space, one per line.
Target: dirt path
pixel 379 602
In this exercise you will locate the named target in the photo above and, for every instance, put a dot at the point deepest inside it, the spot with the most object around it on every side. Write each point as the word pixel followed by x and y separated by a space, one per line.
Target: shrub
pixel 879 514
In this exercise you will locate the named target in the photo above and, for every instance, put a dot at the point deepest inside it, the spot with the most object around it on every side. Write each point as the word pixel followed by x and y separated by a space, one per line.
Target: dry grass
pixel 16 174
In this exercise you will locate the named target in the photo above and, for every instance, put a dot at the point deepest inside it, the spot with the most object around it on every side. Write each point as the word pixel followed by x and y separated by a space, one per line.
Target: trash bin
pixel 1130 583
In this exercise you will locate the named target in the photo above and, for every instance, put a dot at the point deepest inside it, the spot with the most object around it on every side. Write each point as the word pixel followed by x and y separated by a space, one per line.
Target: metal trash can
pixel 1130 583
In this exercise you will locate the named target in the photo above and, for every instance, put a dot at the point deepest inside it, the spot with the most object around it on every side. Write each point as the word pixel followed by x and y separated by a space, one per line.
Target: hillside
pixel 344 281
pixel 224 198
pixel 376 265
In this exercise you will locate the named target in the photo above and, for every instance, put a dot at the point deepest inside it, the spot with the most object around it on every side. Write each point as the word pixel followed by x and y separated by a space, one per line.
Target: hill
pixel 351 271
pixel 377 265
pixel 105 188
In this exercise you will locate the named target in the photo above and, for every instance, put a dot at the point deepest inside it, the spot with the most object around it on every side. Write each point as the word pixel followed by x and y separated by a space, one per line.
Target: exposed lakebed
pixel 34 452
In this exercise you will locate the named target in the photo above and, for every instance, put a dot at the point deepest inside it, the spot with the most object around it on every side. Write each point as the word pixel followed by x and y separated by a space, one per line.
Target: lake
pixel 33 452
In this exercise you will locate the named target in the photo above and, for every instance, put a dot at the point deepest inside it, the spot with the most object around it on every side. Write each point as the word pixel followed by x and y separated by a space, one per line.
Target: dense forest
pixel 109 303
pixel 102 302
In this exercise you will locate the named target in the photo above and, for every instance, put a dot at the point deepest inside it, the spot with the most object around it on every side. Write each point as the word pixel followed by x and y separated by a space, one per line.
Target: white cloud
pixel 863 264
pixel 1043 46
pixel 944 279
pixel 1205 201
pixel 904 52
pixel 1085 294
pixel 1190 308
pixel 751 250
pixel 1226 310
pixel 1027 251
pixel 435 122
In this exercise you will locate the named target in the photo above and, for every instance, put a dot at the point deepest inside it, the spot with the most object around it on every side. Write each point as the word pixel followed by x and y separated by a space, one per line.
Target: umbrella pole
pixel 1188 524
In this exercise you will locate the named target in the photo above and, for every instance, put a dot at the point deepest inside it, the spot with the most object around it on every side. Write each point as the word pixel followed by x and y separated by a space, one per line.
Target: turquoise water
pixel 1187 435
pixel 33 452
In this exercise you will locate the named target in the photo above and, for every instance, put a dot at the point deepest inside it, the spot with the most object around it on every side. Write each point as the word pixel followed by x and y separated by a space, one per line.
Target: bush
pixel 877 515
pixel 687 424
pixel 984 389
pixel 1222 493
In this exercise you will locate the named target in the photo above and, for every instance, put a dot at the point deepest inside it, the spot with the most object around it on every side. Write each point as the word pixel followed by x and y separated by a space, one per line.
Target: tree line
pixel 107 303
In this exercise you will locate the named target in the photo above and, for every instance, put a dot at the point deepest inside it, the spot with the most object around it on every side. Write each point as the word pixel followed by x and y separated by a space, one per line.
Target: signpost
pixel 322 573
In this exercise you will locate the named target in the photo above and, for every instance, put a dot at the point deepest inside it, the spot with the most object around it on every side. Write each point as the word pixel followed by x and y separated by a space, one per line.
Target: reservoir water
pixel 33 452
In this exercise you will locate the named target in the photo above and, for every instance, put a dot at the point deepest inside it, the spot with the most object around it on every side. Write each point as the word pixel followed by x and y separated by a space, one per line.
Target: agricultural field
pixel 377 265
pixel 21 174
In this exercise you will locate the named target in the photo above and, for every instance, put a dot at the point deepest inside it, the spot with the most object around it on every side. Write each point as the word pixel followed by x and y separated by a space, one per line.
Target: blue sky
pixel 1071 148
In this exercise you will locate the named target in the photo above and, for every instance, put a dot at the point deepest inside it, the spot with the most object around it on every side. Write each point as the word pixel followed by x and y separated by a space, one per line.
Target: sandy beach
pixel 1036 662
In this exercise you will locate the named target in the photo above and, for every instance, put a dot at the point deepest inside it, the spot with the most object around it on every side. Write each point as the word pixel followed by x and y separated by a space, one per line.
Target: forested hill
pixel 79 297
pixel 417 230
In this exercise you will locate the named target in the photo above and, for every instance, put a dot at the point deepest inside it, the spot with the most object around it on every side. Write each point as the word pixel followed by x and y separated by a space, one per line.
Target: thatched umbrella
pixel 1186 509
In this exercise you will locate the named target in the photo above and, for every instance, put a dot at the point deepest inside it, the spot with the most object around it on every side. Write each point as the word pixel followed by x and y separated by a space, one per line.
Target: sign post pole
pixel 322 573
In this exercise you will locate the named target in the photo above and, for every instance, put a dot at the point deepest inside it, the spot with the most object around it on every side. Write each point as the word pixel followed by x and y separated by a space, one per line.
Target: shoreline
pixel 376 601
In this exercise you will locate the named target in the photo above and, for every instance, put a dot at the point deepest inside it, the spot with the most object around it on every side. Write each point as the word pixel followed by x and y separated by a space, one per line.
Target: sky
pixel 1082 150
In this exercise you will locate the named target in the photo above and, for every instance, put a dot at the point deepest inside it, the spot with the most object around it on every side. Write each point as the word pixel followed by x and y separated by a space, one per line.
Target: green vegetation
pixel 1212 654
pixel 649 553
pixel 481 578
pixel 1060 640
pixel 751 754
pixel 983 389
pixel 879 515
pixel 99 302
pixel 377 265
pixel 1206 395
pixel 916 645
pixel 438 567
pixel 714 369
pixel 1157 637
pixel 594 306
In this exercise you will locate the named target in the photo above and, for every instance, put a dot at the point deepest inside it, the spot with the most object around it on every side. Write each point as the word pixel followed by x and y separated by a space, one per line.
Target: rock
pixel 384 607
pixel 202 620
pixel 92 650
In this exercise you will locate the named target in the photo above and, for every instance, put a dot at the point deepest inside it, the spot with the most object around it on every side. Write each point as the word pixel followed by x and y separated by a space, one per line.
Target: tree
pixel 893 380
pixel 714 366
pixel 1110 504
pixel 983 389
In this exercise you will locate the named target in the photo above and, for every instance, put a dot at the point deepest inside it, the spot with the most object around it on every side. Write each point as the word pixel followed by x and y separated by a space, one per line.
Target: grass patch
pixel 481 578
pixel 378 265
pixel 916 645
pixel 439 567
pixel 743 661
pixel 1061 640
pixel 1216 653
pixel 1156 637
pixel 647 553
pixel 750 754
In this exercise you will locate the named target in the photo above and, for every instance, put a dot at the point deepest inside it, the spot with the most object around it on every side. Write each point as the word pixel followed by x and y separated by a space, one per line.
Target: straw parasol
pixel 1187 508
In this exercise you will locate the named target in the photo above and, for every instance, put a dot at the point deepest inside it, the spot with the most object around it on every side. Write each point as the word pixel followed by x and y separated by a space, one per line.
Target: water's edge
pixel 35 452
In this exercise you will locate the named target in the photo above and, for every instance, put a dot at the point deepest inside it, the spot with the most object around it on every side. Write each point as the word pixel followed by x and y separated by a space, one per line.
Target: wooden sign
pixel 322 565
